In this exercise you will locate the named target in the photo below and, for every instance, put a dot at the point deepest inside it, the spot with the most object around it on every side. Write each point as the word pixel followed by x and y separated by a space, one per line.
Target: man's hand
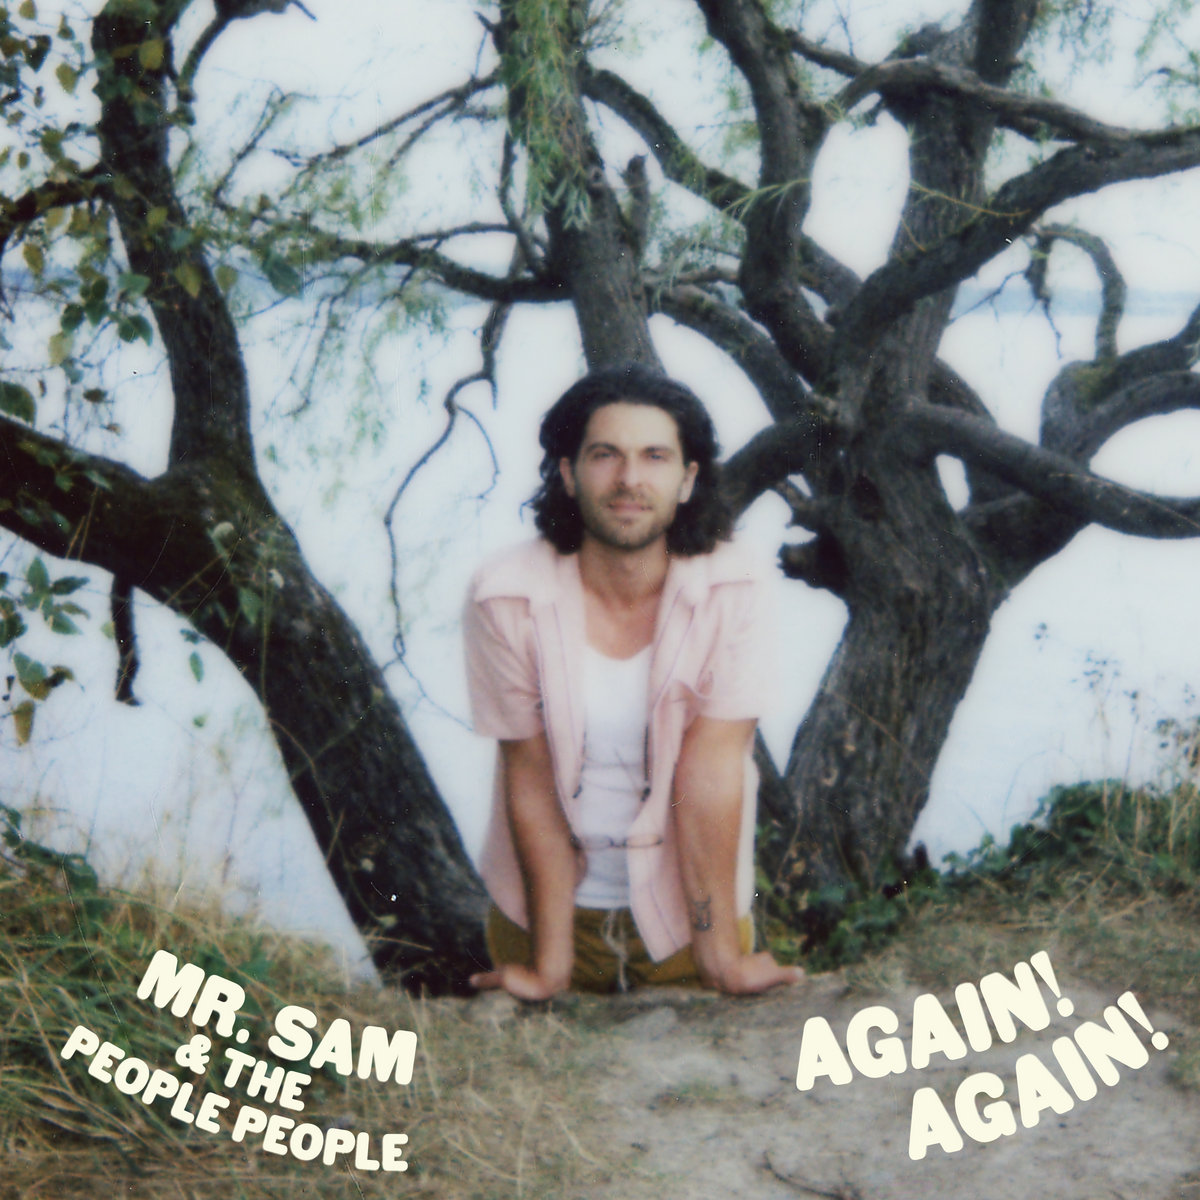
pixel 522 982
pixel 748 974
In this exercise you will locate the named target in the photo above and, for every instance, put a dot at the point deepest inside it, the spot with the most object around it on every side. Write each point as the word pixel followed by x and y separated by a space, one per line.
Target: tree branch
pixel 1016 205
pixel 782 391
pixel 1024 114
pixel 1052 478
pixel 592 247
pixel 1001 27
pixel 75 505
pixel 823 56
pixel 948 389
pixel 413 252
pixel 30 205
pixel 831 279
pixel 772 455
pixel 1088 402
pixel 791 129
pixel 818 268
pixel 438 107
pixel 525 243
pixel 208 376
pixel 679 162
pixel 1113 290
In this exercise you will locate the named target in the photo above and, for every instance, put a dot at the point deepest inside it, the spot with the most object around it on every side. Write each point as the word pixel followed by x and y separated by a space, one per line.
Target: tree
pixel 847 367
pixel 203 537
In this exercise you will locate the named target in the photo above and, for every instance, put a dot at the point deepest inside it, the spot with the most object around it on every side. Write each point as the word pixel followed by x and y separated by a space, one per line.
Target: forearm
pixel 546 855
pixel 708 787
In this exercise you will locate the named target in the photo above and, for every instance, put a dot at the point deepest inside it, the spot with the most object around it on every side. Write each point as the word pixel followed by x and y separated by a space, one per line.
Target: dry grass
pixel 494 1107
pixel 501 1095
pixel 1116 909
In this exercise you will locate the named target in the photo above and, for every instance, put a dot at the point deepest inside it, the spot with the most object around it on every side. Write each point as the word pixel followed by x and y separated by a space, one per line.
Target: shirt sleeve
pixel 502 677
pixel 742 665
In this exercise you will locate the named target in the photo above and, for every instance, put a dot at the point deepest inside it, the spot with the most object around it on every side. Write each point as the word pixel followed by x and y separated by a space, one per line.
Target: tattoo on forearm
pixel 701 915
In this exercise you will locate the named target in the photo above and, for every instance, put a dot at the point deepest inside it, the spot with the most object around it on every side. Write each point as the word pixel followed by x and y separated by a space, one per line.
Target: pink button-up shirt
pixel 714 644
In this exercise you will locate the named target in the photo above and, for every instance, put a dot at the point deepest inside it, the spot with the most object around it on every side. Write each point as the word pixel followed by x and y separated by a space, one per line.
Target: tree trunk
pixel 208 544
pixel 390 845
pixel 920 600
pixel 205 540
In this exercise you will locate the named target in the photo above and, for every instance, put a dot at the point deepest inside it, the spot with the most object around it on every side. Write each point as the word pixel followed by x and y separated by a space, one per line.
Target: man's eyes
pixel 599 454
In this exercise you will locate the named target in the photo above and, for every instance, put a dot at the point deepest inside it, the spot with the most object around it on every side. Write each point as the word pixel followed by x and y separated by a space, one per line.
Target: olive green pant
pixel 609 954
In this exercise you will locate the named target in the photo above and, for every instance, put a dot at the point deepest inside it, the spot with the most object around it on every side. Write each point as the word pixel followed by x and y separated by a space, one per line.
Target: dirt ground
pixel 696 1097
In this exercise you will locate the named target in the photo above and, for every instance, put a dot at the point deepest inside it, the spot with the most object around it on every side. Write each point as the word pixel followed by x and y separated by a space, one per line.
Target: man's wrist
pixel 714 956
pixel 554 969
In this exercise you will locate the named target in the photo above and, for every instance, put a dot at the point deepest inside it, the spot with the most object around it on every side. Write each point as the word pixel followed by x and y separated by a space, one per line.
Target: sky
pixel 1085 657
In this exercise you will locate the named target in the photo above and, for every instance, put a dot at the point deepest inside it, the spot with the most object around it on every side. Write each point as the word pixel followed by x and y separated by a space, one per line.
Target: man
pixel 621 661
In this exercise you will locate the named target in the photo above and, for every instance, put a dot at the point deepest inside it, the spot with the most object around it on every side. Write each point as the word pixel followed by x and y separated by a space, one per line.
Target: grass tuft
pixel 493 1108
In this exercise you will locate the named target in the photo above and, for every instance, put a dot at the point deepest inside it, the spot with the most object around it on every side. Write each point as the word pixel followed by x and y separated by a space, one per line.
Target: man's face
pixel 629 476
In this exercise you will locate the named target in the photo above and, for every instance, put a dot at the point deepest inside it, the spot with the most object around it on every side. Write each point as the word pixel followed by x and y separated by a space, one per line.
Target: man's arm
pixel 547 858
pixel 707 798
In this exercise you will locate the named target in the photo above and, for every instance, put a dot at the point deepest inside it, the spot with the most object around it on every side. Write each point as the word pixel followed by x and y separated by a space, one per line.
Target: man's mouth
pixel 626 506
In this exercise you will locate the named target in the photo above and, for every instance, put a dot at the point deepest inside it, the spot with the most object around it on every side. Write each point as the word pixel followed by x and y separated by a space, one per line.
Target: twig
pixel 843 1191
pixel 453 410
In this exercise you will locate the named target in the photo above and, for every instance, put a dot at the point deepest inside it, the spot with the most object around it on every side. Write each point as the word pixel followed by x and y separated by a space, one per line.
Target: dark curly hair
pixel 699 524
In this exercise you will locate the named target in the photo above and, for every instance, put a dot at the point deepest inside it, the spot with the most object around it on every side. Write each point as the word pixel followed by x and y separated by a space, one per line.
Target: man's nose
pixel 631 472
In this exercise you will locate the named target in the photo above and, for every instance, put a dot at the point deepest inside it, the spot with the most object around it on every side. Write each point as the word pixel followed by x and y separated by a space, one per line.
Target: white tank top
pixel 613 781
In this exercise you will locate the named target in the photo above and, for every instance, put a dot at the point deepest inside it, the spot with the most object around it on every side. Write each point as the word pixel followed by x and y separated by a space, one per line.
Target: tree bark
pixel 205 540
pixel 920 599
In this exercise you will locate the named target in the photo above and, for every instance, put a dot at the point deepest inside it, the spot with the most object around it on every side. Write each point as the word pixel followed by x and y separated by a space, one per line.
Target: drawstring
pixel 613 931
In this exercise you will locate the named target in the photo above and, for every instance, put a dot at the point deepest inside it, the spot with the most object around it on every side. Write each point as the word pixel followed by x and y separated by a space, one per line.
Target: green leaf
pixel 51 142
pixel 96 288
pixel 71 318
pixel 31 675
pixel 35 260
pixel 37 576
pixel 68 584
pixel 129 329
pixel 133 284
pixel 27 11
pixel 189 277
pixel 60 348
pixel 281 275
pixel 61 623
pixel 18 402
pixel 151 53
pixel 227 276
pixel 196 665
pixel 250 603
pixel 99 480
pixel 11 624
pixel 23 719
